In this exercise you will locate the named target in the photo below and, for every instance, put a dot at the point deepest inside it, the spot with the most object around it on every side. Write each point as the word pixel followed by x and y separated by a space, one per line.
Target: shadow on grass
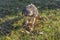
pixel 7 26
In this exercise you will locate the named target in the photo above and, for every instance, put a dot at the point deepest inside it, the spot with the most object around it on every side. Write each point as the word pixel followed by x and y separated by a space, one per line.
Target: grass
pixel 11 20
pixel 47 29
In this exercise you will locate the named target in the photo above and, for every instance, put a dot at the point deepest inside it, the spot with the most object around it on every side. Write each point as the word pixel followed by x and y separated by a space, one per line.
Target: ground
pixel 47 29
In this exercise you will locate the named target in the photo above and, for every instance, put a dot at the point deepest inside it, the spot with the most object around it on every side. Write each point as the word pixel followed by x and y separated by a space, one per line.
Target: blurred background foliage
pixel 14 6
pixel 11 20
